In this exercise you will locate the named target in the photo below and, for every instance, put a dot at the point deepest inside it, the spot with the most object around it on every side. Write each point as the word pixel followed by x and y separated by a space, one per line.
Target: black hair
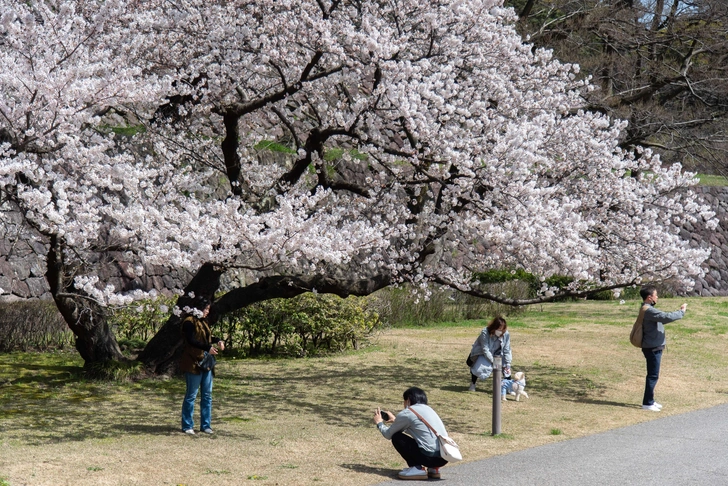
pixel 415 395
pixel 647 290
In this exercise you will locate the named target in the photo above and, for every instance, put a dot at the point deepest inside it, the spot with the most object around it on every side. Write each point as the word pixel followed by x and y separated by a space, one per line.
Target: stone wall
pixel 715 282
pixel 22 266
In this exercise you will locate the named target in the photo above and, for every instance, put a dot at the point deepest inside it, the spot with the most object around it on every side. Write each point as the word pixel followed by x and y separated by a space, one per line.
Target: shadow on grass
pixel 605 402
pixel 363 468
pixel 58 405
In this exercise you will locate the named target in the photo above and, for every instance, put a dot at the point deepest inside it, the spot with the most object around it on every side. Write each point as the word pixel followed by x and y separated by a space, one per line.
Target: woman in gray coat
pixel 494 340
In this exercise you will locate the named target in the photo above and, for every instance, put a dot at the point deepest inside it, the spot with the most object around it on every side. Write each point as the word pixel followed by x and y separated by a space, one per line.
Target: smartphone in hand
pixel 385 416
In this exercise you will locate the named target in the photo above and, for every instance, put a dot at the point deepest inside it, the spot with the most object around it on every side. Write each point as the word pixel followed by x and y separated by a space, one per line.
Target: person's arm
pixel 664 317
pixel 485 344
pixel 507 356
pixel 220 343
pixel 401 422
pixel 188 330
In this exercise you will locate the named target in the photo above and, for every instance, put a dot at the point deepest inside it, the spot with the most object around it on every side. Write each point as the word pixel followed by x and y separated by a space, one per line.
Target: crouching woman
pixel 420 447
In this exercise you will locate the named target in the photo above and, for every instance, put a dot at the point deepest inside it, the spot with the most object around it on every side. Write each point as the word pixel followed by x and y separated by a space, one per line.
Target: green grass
pixel 712 180
pixel 273 146
pixel 583 377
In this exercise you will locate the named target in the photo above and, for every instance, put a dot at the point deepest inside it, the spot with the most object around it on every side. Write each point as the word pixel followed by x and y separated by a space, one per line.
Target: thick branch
pixel 286 287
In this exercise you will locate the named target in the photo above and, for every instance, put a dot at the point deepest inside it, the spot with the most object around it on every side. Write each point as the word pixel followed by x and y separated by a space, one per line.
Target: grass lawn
pixel 712 180
pixel 308 421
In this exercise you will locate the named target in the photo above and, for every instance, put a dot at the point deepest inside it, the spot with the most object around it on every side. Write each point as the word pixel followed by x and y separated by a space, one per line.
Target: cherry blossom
pixel 422 140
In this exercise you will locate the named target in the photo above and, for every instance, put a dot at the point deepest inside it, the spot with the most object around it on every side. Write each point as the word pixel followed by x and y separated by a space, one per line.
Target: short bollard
pixel 497 370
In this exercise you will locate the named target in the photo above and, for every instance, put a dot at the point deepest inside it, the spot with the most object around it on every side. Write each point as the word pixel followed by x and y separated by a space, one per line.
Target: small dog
pixel 519 385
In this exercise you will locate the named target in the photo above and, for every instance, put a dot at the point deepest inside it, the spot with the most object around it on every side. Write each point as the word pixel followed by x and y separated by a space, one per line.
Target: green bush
pixel 32 324
pixel 305 325
pixel 134 325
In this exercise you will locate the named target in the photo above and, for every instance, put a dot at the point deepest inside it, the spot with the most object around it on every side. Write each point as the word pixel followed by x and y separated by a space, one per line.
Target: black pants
pixel 407 448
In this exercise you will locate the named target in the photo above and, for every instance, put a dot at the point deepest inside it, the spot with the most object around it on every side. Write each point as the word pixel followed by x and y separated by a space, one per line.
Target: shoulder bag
pixel 208 362
pixel 635 337
pixel 449 450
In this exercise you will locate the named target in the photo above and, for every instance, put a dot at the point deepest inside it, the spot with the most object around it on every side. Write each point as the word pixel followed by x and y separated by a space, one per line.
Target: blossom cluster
pixel 417 139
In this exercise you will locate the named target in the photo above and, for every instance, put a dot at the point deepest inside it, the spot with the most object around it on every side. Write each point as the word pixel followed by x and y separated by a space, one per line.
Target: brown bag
pixel 635 337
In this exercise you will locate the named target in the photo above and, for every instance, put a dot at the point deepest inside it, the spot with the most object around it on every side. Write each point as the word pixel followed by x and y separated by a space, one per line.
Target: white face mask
pixel 499 333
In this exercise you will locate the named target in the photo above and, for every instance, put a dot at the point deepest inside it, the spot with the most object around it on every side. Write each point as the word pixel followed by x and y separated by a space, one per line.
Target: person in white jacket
pixel 494 340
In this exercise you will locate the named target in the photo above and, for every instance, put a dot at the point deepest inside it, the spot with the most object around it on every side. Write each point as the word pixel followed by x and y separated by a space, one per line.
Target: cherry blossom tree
pixel 319 146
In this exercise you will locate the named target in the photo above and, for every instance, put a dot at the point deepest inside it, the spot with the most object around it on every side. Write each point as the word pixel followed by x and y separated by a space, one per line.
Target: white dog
pixel 518 387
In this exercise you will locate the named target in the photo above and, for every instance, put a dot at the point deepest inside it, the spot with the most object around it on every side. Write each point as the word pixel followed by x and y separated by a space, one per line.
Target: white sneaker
pixel 658 405
pixel 472 387
pixel 190 432
pixel 413 472
pixel 208 430
pixel 651 408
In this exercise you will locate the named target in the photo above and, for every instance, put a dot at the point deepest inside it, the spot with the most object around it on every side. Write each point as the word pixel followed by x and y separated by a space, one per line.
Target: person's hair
pixel 647 290
pixel 415 395
pixel 496 323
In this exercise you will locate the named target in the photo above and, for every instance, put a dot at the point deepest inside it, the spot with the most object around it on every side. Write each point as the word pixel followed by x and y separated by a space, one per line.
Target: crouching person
pixel 412 438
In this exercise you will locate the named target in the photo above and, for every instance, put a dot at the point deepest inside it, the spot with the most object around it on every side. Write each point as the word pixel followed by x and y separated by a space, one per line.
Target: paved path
pixel 687 449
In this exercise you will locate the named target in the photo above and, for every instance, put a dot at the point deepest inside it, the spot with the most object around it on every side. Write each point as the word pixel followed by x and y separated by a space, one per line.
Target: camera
pixel 385 416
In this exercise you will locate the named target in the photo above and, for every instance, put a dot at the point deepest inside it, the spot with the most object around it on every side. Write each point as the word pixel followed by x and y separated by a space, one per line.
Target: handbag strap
pixel 424 421
pixel 643 309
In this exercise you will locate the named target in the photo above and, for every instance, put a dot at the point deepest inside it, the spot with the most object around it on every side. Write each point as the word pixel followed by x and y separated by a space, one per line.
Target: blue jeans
pixel 653 373
pixel 202 382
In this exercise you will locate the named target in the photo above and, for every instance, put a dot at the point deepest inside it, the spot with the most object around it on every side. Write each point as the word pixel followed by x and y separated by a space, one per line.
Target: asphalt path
pixel 686 449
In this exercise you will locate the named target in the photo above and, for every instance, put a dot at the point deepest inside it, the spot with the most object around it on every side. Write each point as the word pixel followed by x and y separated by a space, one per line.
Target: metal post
pixel 497 370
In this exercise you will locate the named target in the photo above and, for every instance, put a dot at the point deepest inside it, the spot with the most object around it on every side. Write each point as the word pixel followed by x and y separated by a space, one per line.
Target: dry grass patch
pixel 308 421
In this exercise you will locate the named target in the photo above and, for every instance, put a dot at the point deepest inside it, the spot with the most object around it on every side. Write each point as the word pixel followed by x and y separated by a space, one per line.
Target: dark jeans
pixel 407 448
pixel 653 373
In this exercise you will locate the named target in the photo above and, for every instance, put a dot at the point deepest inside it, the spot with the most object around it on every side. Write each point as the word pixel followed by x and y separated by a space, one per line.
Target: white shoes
pixel 190 432
pixel 208 430
pixel 651 408
pixel 413 472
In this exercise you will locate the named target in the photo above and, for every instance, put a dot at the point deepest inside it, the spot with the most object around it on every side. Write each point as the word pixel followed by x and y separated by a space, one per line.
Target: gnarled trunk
pixel 95 340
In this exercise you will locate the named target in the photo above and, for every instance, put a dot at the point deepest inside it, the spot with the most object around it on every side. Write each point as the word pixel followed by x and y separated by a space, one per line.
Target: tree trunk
pixel 527 9
pixel 161 354
pixel 95 341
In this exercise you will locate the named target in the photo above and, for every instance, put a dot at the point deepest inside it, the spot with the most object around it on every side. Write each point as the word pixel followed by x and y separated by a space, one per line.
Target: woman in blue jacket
pixel 494 340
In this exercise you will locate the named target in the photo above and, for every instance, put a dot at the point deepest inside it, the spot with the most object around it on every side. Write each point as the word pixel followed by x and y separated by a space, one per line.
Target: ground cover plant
pixel 308 421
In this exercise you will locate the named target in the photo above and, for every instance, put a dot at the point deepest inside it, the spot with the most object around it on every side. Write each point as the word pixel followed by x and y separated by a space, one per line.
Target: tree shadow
pixel 592 401
pixel 61 406
pixel 363 468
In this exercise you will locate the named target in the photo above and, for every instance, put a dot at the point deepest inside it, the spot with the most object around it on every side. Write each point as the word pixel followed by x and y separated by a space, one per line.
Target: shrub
pixel 33 324
pixel 136 324
pixel 402 307
pixel 307 324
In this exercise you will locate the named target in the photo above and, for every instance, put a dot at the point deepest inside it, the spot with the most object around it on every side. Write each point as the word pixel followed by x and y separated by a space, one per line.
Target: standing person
pixel 494 340
pixel 198 340
pixel 420 447
pixel 653 342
